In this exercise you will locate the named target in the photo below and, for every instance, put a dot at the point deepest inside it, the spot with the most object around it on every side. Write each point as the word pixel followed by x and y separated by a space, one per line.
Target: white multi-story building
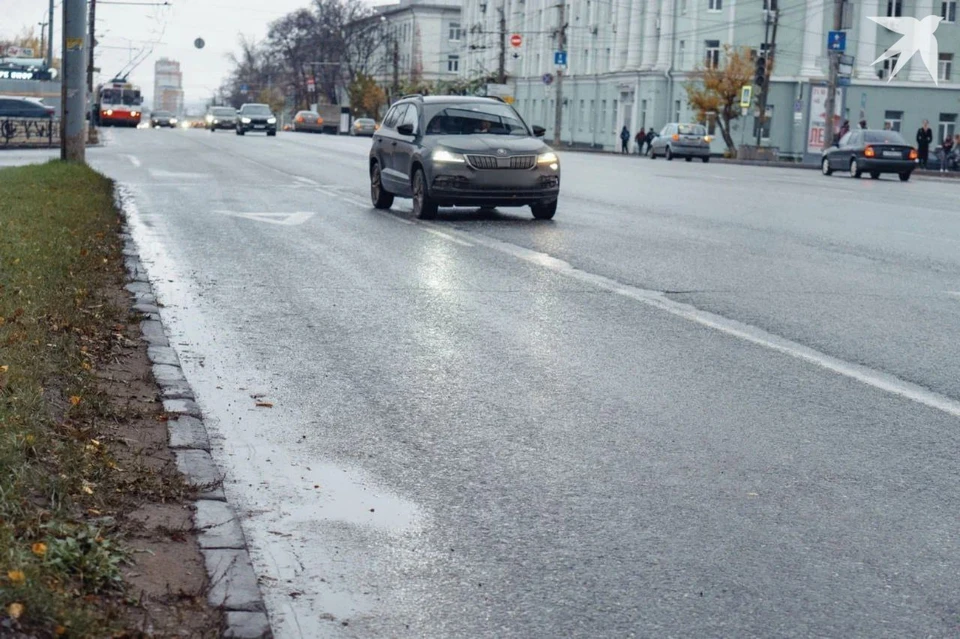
pixel 416 39
pixel 628 61
pixel 167 86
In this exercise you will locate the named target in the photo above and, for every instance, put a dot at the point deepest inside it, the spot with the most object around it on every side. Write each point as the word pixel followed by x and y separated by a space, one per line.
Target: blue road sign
pixel 843 81
pixel 547 78
pixel 560 58
pixel 837 41
pixel 243 88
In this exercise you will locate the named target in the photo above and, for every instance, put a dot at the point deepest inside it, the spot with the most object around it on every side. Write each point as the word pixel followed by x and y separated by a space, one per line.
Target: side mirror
pixel 539 131
pixel 405 129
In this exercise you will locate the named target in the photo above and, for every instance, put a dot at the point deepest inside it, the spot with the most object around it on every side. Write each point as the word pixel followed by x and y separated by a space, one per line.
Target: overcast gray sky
pixel 218 22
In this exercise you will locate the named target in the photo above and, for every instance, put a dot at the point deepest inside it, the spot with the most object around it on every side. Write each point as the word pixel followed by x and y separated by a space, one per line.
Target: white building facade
pixel 628 62
pixel 417 39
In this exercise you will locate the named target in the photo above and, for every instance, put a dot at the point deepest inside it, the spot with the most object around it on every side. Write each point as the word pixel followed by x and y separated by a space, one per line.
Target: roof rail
pixel 411 95
pixel 497 97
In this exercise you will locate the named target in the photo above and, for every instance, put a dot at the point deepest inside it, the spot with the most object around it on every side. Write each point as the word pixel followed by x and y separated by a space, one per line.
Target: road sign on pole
pixel 560 58
pixel 516 40
pixel 837 41
pixel 548 78
pixel 746 95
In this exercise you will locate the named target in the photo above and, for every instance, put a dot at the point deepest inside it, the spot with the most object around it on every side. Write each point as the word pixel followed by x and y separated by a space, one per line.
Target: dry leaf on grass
pixel 265 404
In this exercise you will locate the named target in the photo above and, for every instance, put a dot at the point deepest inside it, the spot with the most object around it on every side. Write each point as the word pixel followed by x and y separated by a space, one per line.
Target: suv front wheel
pixel 424 207
pixel 544 210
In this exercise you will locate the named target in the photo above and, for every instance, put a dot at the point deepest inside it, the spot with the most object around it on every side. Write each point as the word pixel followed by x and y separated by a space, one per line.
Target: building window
pixel 711 123
pixel 948 126
pixel 712 58
pixel 453 63
pixel 948 11
pixel 613 120
pixel 676 111
pixel 455 31
pixel 643 114
pixel 592 116
pixel 683 6
pixel 894 8
pixel 892 120
pixel 580 117
pixel 609 60
pixel 715 5
pixel 944 67
pixel 769 5
pixel 681 52
pixel 586 60
pixel 603 116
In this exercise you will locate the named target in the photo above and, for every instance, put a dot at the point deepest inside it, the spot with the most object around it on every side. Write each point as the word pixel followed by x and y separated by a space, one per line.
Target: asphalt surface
pixel 705 400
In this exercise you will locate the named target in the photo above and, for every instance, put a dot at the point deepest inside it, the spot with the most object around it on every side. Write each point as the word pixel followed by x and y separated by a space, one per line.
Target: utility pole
pixel 91 43
pixel 396 65
pixel 771 47
pixel 502 60
pixel 832 83
pixel 73 95
pixel 50 36
pixel 561 46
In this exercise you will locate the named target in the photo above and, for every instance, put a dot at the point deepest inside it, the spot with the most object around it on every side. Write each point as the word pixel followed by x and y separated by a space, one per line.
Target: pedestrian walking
pixel 651 134
pixel 844 129
pixel 924 138
pixel 640 138
pixel 624 139
pixel 863 124
pixel 945 153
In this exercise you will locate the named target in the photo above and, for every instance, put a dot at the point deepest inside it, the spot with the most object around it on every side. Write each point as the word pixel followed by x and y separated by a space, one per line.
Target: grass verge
pixel 61 558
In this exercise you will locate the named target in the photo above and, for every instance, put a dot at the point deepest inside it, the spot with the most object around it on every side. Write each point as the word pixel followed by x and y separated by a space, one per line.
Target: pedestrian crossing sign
pixel 746 94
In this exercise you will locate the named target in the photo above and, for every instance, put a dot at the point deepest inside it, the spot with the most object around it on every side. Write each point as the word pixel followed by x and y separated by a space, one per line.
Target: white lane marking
pixel 954 293
pixel 134 161
pixel 745 332
pixel 283 219
pixel 161 173
pixel 306 180
pixel 429 228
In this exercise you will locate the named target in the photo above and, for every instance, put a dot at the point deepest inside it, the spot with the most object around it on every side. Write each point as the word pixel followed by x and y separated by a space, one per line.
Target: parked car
pixel 677 140
pixel 256 117
pixel 221 117
pixel 462 151
pixel 872 152
pixel 308 121
pixel 364 126
pixel 20 107
pixel 159 119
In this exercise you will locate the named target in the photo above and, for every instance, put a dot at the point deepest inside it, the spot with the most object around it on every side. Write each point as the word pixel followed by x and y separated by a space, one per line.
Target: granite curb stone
pixel 233 582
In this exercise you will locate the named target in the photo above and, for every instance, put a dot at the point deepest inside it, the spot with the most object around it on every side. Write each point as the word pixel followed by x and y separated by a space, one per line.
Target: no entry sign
pixel 516 40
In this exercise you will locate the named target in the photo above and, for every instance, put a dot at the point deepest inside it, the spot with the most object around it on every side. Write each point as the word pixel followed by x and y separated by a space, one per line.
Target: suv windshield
pixel 256 109
pixel 692 129
pixel 162 114
pixel 470 119
pixel 224 111
pixel 883 137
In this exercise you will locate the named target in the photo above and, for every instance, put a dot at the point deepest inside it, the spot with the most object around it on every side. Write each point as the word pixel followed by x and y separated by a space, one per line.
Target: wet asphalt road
pixel 706 400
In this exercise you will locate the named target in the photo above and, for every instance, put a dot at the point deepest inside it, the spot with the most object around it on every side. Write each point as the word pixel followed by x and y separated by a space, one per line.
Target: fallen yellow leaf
pixel 74 399
pixel 15 610
pixel 87 488
pixel 16 577
pixel 4 368
pixel 39 549
pixel 60 631
pixel 265 404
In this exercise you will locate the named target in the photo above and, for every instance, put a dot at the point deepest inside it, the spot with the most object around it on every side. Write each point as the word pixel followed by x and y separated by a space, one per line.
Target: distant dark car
pixel 256 117
pixel 159 119
pixel 220 117
pixel 364 126
pixel 872 152
pixel 14 107
pixel 462 151
pixel 308 121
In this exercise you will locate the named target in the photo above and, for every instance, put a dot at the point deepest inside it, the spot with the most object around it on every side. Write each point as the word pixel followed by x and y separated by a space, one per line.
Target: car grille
pixel 494 162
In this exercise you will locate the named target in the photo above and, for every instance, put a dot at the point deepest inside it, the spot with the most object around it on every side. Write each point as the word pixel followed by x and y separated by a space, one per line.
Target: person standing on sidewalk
pixel 640 138
pixel 624 139
pixel 924 138
pixel 946 150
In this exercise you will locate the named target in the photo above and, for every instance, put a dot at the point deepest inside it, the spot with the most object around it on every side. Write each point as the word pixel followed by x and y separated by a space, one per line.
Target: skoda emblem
pixel 501 151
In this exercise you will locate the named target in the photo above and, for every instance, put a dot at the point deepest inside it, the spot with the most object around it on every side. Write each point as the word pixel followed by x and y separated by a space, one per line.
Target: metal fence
pixel 29 132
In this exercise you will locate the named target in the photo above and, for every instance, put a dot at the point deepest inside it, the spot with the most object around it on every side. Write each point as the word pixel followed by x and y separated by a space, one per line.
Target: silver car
pixel 364 126
pixel 678 140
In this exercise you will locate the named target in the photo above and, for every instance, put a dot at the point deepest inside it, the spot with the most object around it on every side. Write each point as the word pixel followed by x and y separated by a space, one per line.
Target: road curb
pixel 233 582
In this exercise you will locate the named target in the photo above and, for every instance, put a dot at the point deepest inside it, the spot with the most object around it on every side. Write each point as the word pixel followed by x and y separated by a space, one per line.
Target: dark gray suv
pixel 461 151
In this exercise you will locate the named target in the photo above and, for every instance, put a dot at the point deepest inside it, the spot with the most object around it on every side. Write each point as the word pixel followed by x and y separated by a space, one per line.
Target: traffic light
pixel 761 74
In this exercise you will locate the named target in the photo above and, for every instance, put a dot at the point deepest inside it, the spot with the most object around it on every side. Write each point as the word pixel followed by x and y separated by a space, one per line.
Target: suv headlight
pixel 549 158
pixel 245 120
pixel 442 155
pixel 173 120
pixel 271 120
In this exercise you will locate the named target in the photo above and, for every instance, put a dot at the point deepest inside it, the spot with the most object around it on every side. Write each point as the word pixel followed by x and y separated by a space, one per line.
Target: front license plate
pixel 892 154
pixel 259 126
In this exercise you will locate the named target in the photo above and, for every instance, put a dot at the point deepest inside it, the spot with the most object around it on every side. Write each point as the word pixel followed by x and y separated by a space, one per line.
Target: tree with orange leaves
pixel 716 89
